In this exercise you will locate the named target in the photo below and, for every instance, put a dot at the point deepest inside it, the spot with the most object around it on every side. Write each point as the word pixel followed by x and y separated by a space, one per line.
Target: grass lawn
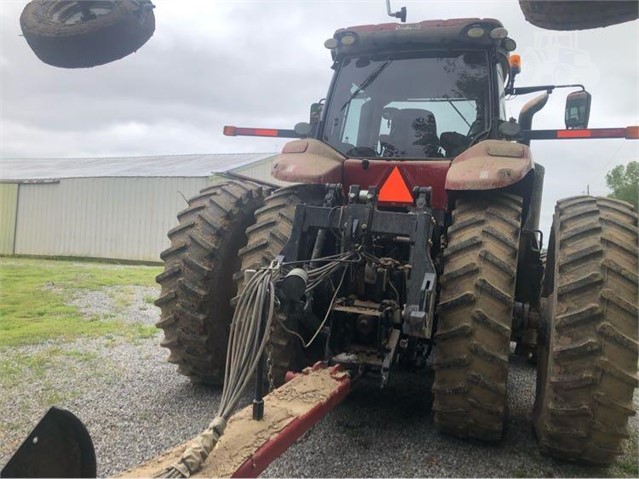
pixel 35 295
pixel 47 304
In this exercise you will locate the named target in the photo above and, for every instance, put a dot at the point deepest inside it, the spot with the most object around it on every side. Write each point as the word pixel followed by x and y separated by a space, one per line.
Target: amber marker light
pixel 515 62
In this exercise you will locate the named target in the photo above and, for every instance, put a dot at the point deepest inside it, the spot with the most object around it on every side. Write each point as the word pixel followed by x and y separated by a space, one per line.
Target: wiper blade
pixel 458 112
pixel 370 79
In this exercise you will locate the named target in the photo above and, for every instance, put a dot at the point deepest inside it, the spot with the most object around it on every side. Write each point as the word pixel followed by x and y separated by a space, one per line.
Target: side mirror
pixel 577 109
pixel 316 113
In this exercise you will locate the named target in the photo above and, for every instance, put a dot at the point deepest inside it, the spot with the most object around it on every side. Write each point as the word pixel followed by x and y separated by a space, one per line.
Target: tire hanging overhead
pixel 578 15
pixel 84 34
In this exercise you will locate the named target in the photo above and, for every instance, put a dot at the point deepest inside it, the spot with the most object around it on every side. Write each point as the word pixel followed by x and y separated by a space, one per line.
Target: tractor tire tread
pixel 197 281
pixel 265 240
pixel 591 346
pixel 475 314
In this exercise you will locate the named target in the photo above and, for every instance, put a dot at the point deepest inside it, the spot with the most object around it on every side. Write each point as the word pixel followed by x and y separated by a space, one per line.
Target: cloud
pixel 263 63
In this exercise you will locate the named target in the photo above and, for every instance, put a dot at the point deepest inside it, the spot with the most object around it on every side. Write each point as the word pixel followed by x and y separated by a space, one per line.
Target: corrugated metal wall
pixel 103 217
pixel 119 218
pixel 8 203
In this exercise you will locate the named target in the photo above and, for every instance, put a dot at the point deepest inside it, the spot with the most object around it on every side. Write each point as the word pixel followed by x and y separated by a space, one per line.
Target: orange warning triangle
pixel 394 189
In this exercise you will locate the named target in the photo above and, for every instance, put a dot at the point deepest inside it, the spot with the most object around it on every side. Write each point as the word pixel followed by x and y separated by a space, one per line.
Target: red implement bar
pixel 278 444
pixel 249 446
pixel 629 133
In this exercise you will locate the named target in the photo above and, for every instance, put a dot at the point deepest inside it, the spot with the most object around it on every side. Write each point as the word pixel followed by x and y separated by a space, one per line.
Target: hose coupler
pixel 294 284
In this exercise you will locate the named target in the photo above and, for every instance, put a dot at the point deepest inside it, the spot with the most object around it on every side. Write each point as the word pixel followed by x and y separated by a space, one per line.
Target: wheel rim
pixel 72 13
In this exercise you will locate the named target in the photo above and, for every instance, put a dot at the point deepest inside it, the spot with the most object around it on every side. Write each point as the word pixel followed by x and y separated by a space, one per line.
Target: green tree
pixel 624 183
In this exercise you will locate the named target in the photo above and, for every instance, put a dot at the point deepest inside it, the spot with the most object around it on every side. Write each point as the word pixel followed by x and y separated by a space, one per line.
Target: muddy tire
pixel 59 36
pixel 577 15
pixel 475 317
pixel 197 282
pixel 266 238
pixel 588 339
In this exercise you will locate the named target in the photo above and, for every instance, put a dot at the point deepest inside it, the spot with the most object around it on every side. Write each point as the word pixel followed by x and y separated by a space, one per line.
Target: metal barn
pixel 115 208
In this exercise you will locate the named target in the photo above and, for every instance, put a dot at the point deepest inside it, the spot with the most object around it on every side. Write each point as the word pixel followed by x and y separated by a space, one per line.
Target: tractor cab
pixel 419 91
pixel 408 99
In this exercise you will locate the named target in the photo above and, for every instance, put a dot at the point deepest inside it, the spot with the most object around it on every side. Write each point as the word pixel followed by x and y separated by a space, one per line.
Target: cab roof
pixel 386 37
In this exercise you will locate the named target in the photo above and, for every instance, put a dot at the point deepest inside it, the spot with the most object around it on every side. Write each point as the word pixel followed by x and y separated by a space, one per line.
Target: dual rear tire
pixel 226 229
pixel 587 357
pixel 198 278
pixel 265 240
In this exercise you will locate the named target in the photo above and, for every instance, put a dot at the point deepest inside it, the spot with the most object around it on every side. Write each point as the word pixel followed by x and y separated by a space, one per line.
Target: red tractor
pixel 411 176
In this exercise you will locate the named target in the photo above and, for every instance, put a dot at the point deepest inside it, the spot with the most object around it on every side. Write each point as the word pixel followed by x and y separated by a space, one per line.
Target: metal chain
pixel 275 265
pixel 269 361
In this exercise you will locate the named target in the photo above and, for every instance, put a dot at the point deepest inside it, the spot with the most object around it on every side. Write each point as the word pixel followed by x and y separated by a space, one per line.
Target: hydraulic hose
pixel 244 352
pixel 256 303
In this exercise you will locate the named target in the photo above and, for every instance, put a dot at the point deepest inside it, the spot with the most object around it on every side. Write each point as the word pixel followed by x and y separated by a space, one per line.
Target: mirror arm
pixel 524 90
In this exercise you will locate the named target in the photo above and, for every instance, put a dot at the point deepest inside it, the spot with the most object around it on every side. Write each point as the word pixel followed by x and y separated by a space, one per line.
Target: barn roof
pixel 140 166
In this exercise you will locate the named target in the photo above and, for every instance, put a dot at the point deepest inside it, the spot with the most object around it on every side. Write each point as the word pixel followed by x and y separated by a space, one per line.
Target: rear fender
pixel 308 161
pixel 489 165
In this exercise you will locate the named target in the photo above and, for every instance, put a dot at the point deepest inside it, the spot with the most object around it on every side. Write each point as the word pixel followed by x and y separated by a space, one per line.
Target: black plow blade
pixel 59 446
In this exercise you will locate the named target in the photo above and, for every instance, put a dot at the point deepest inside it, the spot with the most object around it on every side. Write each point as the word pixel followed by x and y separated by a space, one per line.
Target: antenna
pixel 401 14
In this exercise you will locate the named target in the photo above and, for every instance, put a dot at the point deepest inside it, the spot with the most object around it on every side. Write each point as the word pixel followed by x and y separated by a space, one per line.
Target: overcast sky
pixel 262 63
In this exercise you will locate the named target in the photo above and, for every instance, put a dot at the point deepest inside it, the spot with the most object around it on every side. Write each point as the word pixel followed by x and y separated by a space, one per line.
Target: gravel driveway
pixel 136 405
